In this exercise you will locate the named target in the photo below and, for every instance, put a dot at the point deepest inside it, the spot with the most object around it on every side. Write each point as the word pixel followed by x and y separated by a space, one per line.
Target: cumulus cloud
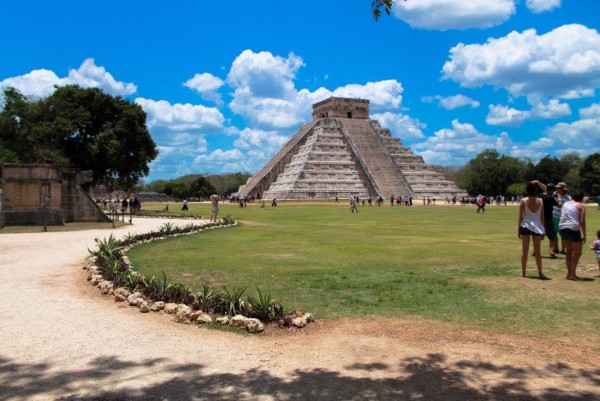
pixel 36 84
pixel 382 94
pixel 206 85
pixel 452 102
pixel 89 75
pixel 459 144
pixel 180 117
pixel 563 63
pixel 540 6
pixel 454 14
pixel 401 125
pixel 592 111
pixel 503 115
pixel 40 83
pixel 582 136
pixel 222 161
pixel 506 116
pixel 266 96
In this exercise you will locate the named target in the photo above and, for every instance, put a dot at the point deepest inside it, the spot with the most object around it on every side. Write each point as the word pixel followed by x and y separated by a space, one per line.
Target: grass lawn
pixel 444 262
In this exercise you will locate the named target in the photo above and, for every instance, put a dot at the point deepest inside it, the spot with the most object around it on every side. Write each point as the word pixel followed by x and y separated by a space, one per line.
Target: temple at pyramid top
pixel 343 153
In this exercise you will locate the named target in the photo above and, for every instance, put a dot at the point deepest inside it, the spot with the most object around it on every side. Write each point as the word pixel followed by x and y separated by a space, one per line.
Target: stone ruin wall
pixel 41 194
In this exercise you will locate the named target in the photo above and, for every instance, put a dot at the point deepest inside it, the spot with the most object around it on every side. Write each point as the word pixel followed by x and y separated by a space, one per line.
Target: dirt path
pixel 60 339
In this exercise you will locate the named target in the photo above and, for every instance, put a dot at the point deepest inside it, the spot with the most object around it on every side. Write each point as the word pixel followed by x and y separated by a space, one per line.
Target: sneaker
pixel 553 256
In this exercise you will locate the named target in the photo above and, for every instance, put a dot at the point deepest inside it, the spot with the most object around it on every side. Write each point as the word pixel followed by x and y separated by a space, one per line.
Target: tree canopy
pixel 589 173
pixel 78 127
pixel 490 173
pixel 194 185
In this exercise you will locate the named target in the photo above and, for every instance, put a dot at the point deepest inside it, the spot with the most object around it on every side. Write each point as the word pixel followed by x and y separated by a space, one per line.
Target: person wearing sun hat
pixel 549 204
pixel 563 197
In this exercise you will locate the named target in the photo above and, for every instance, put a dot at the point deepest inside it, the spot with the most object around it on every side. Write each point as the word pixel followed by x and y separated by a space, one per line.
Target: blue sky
pixel 225 84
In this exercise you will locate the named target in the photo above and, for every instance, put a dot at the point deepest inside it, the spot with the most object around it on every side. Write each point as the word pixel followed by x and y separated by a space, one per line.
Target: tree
pixel 377 5
pixel 589 173
pixel 202 188
pixel 551 169
pixel 79 127
pixel 491 174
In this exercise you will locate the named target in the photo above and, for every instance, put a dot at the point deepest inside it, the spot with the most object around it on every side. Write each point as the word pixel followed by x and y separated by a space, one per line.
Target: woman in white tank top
pixel 531 226
pixel 572 230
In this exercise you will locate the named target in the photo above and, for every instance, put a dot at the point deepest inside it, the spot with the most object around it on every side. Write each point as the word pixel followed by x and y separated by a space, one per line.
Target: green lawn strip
pixel 444 263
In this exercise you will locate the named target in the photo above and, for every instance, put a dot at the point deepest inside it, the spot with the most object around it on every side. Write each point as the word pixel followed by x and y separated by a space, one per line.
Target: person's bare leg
pixel 524 252
pixel 537 243
pixel 576 246
pixel 568 256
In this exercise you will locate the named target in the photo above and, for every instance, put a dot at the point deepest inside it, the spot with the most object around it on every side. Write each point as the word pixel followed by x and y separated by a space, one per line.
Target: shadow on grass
pixel 419 378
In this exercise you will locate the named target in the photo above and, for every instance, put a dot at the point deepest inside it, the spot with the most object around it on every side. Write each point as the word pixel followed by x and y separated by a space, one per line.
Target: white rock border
pixel 182 313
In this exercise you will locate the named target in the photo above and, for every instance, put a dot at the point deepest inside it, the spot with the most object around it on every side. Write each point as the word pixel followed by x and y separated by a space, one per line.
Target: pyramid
pixel 342 153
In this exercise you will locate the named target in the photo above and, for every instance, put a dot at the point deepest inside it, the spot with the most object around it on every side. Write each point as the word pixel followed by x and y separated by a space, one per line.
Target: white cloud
pixel 89 75
pixel 539 6
pixel 590 112
pixel 265 94
pixel 563 63
pixel 454 14
pixel 506 116
pixel 383 94
pixel 459 144
pixel 552 109
pixel 582 136
pixel 401 125
pixel 452 102
pixel 220 161
pixel 36 84
pixel 206 85
pixel 180 117
pixel 40 83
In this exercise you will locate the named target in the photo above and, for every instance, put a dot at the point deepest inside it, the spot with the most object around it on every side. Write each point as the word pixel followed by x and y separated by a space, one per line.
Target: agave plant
pixel 133 281
pixel 176 293
pixel 149 287
pixel 108 249
pixel 129 238
pixel 209 298
pixel 166 229
pixel 264 307
pixel 111 269
pixel 231 302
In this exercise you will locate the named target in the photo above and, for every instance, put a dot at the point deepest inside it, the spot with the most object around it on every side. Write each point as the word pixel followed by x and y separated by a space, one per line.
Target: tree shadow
pixel 419 378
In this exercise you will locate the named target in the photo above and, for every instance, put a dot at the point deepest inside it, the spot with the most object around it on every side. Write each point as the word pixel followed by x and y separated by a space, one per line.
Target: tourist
pixel 531 226
pixel 563 197
pixel 596 248
pixel 353 207
pixel 185 205
pixel 572 230
pixel 391 200
pixel 481 202
pixel 549 204
pixel 214 207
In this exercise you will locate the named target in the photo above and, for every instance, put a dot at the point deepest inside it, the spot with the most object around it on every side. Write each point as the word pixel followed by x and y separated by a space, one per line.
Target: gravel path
pixel 60 339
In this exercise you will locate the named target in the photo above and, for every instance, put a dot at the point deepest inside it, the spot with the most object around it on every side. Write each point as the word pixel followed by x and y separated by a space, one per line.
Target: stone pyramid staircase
pixel 323 168
pixel 342 153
